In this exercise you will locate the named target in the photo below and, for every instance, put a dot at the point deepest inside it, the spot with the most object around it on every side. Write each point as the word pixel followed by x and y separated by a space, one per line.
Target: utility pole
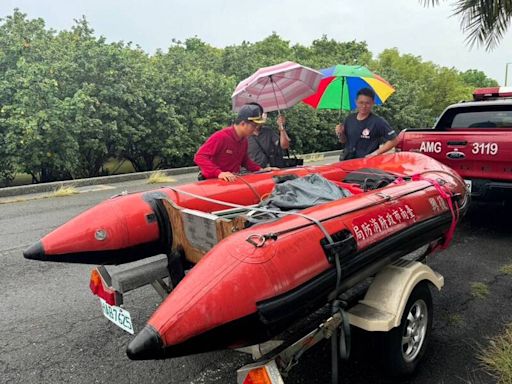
pixel 506 72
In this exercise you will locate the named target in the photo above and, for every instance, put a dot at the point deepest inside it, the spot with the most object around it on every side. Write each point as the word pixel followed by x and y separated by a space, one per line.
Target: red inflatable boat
pixel 258 280
pixel 253 282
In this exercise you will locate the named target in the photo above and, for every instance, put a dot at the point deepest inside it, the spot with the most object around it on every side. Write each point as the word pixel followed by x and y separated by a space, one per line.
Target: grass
pixel 64 191
pixel 506 269
pixel 455 319
pixel 479 290
pixel 497 356
pixel 159 177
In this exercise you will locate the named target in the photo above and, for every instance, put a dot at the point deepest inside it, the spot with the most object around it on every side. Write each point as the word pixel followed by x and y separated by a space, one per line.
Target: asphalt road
pixel 52 329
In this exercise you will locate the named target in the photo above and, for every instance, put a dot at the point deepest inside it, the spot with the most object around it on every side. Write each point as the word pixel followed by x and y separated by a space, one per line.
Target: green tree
pixel 201 101
pixel 243 60
pixel 17 35
pixel 477 79
pixel 153 128
pixel 70 101
pixel 437 86
pixel 325 52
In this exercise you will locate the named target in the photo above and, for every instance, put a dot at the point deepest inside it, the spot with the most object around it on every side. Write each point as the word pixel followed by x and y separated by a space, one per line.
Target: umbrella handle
pixel 341 101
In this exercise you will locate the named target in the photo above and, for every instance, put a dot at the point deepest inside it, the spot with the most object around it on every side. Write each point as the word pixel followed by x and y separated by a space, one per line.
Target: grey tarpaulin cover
pixel 304 192
pixel 297 194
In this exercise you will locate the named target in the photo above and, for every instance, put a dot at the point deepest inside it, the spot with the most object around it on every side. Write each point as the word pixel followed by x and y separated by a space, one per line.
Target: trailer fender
pixel 384 302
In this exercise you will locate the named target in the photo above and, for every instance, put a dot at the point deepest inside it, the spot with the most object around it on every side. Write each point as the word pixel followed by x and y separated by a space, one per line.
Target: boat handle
pixel 257 240
pixel 260 239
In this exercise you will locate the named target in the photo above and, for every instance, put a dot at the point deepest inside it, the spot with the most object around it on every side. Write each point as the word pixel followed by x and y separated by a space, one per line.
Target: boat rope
pixel 258 196
pixel 340 344
pixel 261 242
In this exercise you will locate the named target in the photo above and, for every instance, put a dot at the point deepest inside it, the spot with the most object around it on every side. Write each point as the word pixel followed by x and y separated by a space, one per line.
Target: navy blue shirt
pixel 365 136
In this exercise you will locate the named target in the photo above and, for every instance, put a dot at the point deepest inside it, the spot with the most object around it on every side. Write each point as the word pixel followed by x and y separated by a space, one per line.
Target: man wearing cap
pixel 225 152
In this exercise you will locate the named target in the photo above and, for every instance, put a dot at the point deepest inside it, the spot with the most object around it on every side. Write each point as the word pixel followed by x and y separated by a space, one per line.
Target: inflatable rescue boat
pixel 258 265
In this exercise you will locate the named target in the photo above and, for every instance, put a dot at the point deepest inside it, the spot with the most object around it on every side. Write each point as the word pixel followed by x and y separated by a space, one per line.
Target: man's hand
pixel 270 169
pixel 227 176
pixel 340 132
pixel 281 122
pixel 371 154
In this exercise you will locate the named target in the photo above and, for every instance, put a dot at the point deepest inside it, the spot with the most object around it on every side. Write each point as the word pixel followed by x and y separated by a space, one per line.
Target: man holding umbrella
pixel 363 131
pixel 349 87
pixel 266 147
pixel 274 88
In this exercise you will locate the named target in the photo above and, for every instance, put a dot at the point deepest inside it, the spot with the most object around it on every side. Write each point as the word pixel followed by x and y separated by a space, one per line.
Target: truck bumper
pixel 490 190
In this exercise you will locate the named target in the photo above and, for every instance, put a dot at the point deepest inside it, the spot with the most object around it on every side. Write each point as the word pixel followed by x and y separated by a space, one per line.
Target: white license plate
pixel 468 184
pixel 119 316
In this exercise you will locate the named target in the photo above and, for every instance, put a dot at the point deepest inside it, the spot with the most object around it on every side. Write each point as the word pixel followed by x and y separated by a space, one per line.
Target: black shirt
pixel 365 136
pixel 265 149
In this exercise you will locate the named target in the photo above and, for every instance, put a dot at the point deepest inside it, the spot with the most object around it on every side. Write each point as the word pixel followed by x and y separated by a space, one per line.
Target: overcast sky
pixel 427 32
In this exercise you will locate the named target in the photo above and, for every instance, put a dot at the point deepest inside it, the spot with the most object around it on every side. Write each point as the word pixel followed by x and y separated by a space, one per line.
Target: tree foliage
pixel 70 101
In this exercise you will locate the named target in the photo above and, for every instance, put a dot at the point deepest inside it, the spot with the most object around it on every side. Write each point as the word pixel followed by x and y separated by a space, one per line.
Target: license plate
pixel 119 316
pixel 468 184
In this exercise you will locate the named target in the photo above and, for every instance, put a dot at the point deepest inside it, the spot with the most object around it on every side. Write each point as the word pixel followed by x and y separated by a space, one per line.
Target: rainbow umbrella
pixel 340 84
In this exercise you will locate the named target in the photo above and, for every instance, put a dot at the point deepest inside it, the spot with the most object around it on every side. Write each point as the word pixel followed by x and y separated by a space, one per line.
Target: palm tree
pixel 484 21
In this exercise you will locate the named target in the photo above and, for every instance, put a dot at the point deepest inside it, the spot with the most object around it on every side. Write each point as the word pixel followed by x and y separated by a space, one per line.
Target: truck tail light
pixel 257 376
pixel 260 373
pixel 100 289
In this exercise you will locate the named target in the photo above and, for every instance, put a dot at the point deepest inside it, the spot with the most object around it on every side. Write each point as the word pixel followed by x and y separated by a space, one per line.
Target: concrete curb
pixel 49 187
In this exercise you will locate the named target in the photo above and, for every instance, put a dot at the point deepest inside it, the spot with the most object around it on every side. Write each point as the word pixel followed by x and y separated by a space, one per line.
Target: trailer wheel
pixel 404 346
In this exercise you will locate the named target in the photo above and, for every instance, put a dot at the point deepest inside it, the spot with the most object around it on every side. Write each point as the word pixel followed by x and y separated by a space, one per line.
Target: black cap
pixel 251 112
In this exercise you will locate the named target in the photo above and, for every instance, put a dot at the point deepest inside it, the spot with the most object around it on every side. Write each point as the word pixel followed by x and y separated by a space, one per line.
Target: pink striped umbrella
pixel 277 87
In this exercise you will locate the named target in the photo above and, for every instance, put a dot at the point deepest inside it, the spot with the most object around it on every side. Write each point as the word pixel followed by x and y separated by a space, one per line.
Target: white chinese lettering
pixel 359 233
pixel 410 212
pixel 375 225
pixel 383 223
pixel 442 203
pixel 367 230
pixel 390 219
pixel 433 203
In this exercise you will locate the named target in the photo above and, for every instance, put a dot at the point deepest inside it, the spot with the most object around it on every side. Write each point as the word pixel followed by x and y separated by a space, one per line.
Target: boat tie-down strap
pixel 447 195
pixel 254 239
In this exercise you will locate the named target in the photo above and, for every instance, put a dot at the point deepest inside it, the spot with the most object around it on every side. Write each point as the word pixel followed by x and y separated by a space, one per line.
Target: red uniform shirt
pixel 224 151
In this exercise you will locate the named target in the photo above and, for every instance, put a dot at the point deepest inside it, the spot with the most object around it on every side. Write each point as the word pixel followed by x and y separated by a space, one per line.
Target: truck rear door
pixel 474 140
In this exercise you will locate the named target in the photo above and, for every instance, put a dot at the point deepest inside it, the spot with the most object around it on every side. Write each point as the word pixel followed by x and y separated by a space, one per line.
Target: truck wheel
pixel 404 346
